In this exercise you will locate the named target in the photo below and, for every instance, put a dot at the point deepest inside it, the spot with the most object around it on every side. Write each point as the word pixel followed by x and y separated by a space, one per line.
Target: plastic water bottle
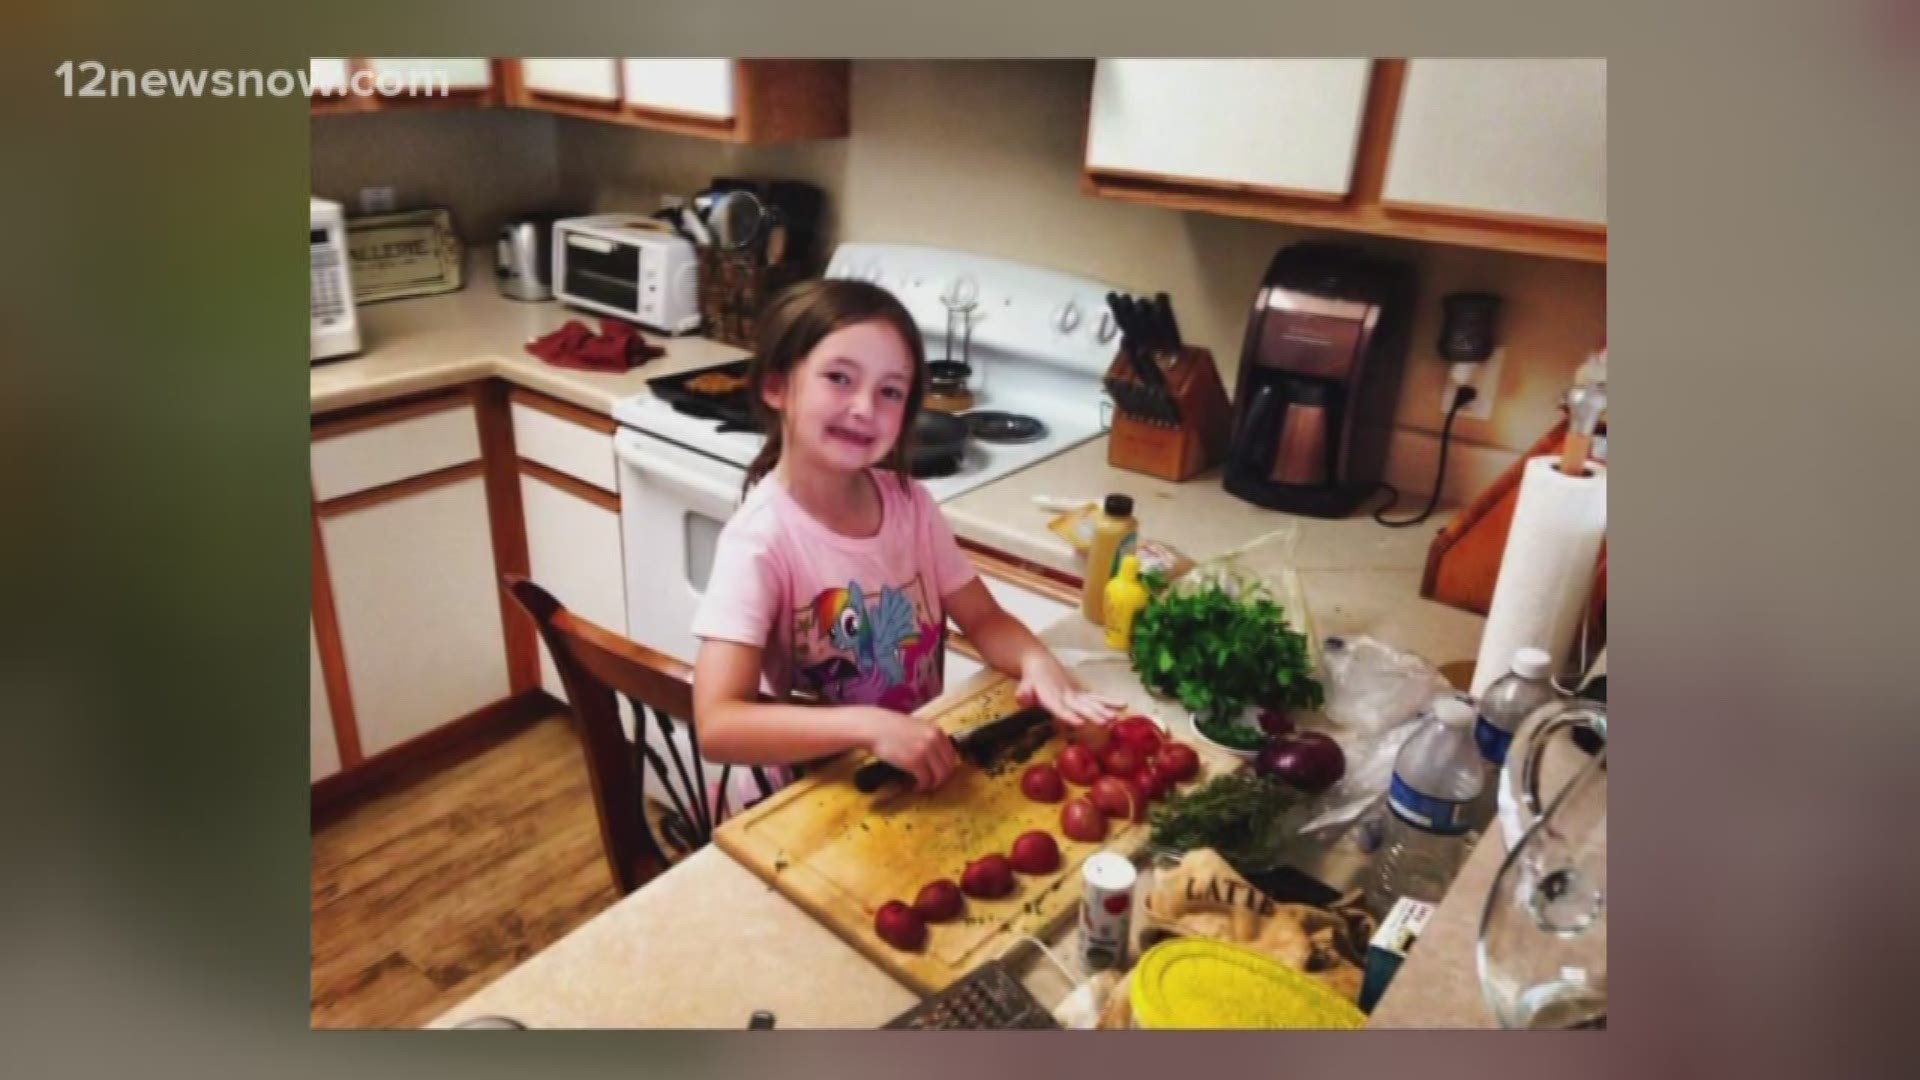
pixel 1510 700
pixel 1436 778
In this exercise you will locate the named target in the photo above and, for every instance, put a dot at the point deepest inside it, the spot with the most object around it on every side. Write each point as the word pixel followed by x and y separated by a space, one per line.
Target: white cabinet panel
pixel 594 80
pixel 471 73
pixel 1036 610
pixel 564 446
pixel 573 552
pixel 1287 124
pixel 1517 137
pixel 419 611
pixel 368 458
pixel 323 757
pixel 960 668
pixel 327 76
pixel 700 87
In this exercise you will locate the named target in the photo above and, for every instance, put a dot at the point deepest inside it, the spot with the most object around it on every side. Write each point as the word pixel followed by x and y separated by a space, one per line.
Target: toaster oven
pixel 334 327
pixel 628 266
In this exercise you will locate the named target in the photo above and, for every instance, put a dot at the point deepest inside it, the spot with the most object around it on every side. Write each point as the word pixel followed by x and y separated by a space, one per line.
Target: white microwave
pixel 628 266
pixel 334 329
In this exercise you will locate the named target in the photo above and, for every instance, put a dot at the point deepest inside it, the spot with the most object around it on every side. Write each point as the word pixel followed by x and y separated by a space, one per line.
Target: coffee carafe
pixel 1319 378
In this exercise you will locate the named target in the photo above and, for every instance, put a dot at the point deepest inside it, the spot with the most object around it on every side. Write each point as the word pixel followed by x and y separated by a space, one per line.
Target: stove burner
pixel 1004 427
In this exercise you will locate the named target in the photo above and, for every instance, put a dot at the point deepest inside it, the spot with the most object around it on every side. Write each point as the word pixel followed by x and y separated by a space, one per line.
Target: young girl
pixel 837 574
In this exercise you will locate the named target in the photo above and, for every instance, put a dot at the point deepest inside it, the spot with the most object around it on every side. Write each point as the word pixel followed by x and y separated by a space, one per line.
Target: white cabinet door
pixel 1514 137
pixel 1037 610
pixel 700 87
pixel 471 73
pixel 323 758
pixel 960 668
pixel 419 610
pixel 591 80
pixel 327 76
pixel 1292 125
pixel 573 552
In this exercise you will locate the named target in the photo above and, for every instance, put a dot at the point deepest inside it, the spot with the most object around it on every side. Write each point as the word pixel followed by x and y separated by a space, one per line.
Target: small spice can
pixel 1106 908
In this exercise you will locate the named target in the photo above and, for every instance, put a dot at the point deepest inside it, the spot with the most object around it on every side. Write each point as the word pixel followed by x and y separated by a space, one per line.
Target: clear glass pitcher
pixel 1542 760
pixel 1543 935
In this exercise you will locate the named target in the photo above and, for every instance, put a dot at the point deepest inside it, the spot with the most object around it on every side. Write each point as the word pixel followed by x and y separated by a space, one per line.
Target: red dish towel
pixel 617 348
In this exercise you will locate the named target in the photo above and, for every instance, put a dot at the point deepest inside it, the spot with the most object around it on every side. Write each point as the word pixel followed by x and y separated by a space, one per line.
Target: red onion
pixel 1308 760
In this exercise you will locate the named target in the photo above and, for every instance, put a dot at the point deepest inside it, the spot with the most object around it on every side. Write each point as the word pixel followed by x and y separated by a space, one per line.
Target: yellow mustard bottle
pixel 1114 535
pixel 1125 597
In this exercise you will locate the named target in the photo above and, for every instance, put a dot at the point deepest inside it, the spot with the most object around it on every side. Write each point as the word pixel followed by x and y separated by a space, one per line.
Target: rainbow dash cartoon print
pixel 855 649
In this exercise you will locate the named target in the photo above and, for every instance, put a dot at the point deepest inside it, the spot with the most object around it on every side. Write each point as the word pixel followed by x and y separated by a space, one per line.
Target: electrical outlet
pixel 1486 385
pixel 377 200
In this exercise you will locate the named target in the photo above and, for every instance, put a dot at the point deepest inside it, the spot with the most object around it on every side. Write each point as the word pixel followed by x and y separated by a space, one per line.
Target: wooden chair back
pixel 595 665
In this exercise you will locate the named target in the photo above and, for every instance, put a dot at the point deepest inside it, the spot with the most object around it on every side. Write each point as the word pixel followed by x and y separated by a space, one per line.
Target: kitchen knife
pixel 1169 327
pixel 1135 343
pixel 976 745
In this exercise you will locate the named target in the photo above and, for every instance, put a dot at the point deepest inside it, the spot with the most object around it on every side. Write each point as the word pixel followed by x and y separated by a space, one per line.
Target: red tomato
pixel 1138 734
pixel 1121 760
pixel 1079 765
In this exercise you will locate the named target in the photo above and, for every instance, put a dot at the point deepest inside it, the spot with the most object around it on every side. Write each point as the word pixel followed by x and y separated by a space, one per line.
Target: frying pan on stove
pixel 939 443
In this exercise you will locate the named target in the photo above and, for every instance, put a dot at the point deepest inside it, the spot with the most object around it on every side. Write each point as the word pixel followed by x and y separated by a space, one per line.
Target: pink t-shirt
pixel 858 621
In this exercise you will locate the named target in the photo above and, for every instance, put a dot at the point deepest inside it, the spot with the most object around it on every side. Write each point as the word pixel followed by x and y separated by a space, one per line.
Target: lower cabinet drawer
pixel 582 452
pixel 438 435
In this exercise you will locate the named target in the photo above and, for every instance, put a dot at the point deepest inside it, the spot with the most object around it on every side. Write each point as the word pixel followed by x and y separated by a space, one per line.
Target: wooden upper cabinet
pixel 593 81
pixel 372 85
pixel 1502 155
pixel 1520 139
pixel 1286 126
pixel 470 74
pixel 702 88
pixel 328 86
pixel 742 101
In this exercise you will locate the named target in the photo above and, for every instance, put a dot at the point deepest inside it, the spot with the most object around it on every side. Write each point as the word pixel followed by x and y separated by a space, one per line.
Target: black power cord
pixel 1462 397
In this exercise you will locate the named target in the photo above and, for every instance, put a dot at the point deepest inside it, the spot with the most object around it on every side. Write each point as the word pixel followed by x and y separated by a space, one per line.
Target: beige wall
pixel 484 164
pixel 986 156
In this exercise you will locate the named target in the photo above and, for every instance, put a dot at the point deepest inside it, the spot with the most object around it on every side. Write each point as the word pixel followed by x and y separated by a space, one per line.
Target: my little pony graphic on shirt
pixel 884 650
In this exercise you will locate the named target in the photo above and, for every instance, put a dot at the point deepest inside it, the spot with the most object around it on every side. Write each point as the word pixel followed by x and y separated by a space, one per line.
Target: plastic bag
pixel 1373 692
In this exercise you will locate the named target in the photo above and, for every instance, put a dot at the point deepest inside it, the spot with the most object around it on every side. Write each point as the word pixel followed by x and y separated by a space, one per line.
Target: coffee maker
pixel 1319 379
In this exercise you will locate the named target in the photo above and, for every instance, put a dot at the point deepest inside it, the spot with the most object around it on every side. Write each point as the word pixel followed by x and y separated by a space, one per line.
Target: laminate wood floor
pixel 428 891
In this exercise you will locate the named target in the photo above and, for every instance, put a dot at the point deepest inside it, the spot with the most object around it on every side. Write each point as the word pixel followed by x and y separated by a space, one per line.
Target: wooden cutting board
pixel 840 854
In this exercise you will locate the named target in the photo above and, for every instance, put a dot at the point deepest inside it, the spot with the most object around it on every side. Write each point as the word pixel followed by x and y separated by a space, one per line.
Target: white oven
pixel 673 503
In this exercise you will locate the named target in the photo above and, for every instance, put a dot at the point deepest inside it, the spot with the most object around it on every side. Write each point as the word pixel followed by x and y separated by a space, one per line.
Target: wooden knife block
pixel 1168 451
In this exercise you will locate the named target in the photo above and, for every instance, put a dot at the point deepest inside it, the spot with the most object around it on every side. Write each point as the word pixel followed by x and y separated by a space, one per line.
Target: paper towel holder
pixel 1464 559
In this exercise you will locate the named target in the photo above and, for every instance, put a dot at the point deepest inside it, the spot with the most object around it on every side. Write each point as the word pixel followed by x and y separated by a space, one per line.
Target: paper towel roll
pixel 1547 571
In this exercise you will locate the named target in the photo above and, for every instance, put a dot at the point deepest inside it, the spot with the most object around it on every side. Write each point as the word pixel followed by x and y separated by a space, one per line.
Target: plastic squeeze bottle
pixel 1114 536
pixel 1125 597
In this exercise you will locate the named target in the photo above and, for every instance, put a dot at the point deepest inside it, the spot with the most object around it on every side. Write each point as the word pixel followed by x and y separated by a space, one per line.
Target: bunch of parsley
pixel 1218 654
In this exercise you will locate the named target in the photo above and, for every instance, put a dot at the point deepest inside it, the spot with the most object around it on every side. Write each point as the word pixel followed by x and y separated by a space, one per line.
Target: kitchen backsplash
pixel 985 155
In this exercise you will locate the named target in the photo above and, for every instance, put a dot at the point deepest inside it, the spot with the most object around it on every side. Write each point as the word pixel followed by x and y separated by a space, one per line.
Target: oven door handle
pixel 707 488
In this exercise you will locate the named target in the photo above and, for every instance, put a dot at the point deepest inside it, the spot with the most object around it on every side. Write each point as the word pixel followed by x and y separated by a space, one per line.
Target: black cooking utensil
pixel 939 443
pixel 977 745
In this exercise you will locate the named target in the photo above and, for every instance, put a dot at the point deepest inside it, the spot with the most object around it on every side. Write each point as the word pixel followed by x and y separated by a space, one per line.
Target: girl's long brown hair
pixel 794 323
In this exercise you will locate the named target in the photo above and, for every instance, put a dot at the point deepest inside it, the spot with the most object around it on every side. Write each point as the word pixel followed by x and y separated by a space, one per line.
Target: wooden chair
pixel 595 664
